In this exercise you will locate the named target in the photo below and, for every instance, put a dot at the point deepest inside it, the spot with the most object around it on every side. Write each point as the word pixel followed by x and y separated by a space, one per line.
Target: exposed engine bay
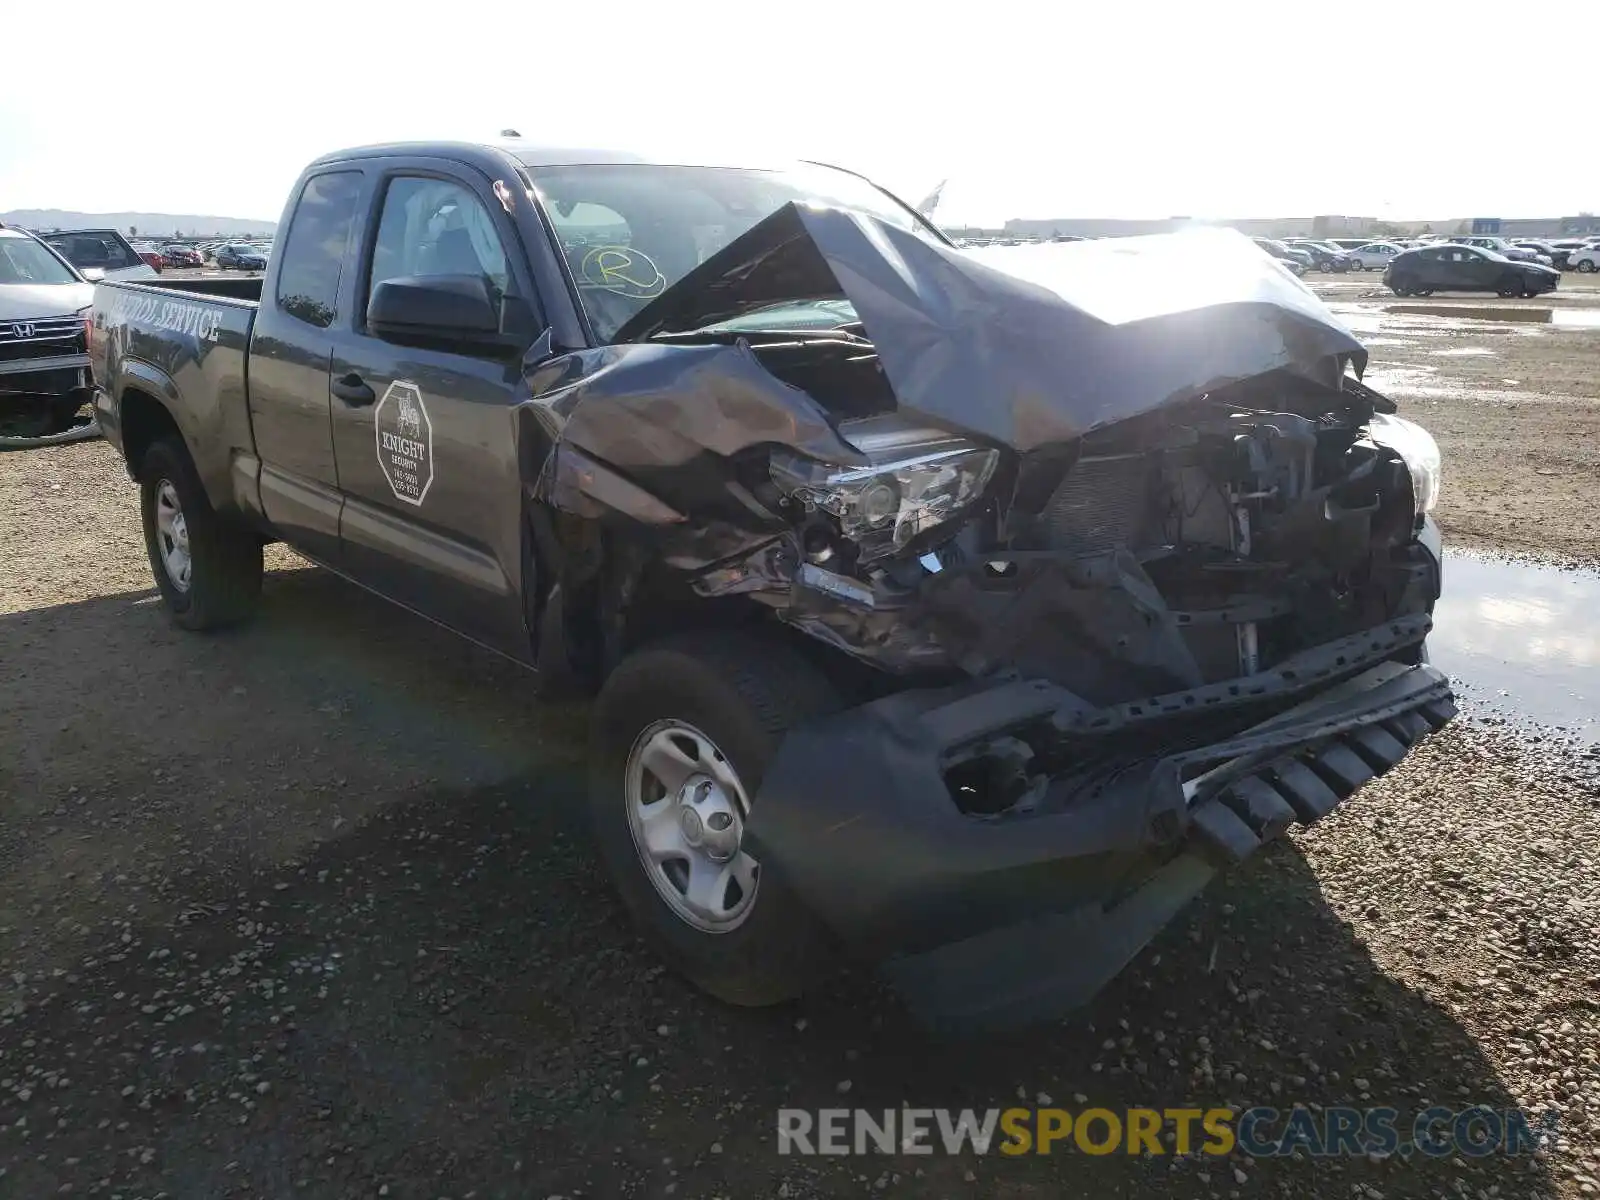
pixel 1177 549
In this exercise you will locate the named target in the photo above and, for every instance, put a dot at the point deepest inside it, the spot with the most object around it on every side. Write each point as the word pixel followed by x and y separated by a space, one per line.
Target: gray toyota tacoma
pixel 959 612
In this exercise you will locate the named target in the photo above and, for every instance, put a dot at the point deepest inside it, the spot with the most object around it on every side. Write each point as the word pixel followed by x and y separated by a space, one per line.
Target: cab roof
pixel 534 154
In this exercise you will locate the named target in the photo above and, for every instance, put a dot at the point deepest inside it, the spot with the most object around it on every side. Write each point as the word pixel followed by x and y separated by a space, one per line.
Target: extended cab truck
pixel 960 611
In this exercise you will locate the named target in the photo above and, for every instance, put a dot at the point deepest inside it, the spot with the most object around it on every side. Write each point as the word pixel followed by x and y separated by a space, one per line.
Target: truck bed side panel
pixel 187 352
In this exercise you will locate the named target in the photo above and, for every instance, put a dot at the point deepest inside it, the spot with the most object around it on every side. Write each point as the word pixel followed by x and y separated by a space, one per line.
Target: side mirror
pixel 94 274
pixel 434 307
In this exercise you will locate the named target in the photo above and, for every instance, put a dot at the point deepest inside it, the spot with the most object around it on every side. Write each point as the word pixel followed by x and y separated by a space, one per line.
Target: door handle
pixel 353 390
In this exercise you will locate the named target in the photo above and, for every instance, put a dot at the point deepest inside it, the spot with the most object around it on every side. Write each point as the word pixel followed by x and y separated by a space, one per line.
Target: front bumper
pixel 986 922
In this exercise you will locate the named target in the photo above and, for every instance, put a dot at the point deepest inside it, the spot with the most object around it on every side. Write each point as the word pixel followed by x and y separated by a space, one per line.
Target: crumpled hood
pixel 35 301
pixel 1026 345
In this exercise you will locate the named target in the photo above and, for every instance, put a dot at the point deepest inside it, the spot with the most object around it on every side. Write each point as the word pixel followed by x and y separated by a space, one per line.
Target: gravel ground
pixel 304 910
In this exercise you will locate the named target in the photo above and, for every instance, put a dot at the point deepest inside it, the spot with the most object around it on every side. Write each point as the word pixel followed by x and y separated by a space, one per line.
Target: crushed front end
pixel 1129 589
pixel 1168 642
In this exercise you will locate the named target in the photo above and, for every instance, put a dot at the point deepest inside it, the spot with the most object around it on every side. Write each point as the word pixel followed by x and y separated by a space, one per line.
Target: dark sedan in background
pixel 1450 267
pixel 238 256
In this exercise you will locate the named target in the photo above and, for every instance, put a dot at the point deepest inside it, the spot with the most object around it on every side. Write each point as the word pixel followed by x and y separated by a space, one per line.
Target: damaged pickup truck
pixel 962 613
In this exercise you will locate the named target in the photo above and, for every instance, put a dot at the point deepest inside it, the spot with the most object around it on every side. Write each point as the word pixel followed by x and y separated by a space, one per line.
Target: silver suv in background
pixel 44 341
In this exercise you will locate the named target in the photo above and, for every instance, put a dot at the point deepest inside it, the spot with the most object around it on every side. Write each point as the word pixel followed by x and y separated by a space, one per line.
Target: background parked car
pixel 1458 268
pixel 1297 261
pixel 181 256
pixel 153 259
pixel 1585 258
pixel 44 360
pixel 1505 249
pixel 1374 255
pixel 1324 257
pixel 98 253
pixel 241 257
pixel 1548 252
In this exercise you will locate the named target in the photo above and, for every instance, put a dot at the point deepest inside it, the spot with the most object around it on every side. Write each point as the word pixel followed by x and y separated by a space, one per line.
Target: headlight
pixel 1416 447
pixel 881 508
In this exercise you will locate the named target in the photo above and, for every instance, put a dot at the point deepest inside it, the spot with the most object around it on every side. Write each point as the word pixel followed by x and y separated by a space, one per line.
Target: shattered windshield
pixel 630 231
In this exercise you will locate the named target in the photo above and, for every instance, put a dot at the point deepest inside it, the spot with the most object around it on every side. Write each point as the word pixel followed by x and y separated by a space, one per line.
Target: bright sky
pixel 1405 108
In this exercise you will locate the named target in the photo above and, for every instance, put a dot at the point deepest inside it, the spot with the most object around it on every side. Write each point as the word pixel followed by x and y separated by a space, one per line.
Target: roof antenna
pixel 509 133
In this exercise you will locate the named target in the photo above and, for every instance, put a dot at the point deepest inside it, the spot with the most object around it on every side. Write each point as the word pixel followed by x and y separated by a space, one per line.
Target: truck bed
pixel 232 287
pixel 184 341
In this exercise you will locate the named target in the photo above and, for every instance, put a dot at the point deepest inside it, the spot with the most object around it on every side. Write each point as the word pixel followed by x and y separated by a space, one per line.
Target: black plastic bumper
pixel 989 922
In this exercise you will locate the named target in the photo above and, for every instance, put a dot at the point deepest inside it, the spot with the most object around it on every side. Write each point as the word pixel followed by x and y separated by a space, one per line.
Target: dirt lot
pixel 304 910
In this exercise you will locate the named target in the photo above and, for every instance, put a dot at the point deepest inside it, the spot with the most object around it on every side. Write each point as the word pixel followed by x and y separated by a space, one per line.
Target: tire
pixel 1511 286
pixel 1357 265
pixel 224 578
pixel 741 692
pixel 1403 286
pixel 1423 292
pixel 1586 266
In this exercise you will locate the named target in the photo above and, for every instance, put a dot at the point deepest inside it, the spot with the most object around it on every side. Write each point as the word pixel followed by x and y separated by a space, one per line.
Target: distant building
pixel 1538 227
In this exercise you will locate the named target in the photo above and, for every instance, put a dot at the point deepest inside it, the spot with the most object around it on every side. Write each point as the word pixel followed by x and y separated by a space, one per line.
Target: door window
pixel 436 227
pixel 313 256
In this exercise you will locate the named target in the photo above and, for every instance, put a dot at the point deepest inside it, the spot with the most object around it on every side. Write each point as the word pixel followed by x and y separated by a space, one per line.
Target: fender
pixel 229 485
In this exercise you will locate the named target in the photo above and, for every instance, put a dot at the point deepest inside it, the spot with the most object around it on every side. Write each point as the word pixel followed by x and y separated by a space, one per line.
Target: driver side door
pixel 423 429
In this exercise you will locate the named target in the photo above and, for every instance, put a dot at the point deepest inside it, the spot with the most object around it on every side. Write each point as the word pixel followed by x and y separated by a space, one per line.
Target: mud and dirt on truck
pixel 962 613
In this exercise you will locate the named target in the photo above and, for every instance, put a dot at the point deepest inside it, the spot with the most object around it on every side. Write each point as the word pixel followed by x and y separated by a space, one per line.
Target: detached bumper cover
pixel 992 921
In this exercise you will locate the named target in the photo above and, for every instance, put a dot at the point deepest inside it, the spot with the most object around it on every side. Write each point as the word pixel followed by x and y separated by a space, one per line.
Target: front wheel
pixel 683 732
pixel 1511 286
pixel 1586 266
pixel 207 568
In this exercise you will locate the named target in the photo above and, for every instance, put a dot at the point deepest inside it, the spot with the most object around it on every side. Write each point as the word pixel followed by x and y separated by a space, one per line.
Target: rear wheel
pixel 207 568
pixel 1403 285
pixel 683 732
pixel 1586 265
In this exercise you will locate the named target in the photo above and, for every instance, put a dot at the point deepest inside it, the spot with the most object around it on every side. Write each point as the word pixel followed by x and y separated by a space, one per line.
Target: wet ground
pixel 1522 641
pixel 1511 390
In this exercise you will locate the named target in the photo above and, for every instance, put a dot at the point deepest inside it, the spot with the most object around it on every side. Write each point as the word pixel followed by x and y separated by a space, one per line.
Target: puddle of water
pixel 1522 639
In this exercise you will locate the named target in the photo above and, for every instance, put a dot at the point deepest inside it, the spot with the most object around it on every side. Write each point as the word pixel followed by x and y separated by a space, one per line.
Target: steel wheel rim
pixel 686 812
pixel 172 536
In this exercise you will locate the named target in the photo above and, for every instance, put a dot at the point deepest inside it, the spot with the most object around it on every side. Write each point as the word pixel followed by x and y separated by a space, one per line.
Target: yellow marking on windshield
pixel 623 270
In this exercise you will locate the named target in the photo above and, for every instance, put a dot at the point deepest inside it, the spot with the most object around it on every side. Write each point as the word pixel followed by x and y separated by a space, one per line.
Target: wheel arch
pixel 143 419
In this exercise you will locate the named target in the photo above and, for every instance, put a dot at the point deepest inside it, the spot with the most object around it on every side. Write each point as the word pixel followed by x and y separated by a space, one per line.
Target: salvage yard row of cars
pixel 1352 254
pixel 112 256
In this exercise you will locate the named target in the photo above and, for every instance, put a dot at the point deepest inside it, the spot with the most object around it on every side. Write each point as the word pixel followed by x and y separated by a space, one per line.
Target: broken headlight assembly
pixel 906 491
pixel 1417 449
